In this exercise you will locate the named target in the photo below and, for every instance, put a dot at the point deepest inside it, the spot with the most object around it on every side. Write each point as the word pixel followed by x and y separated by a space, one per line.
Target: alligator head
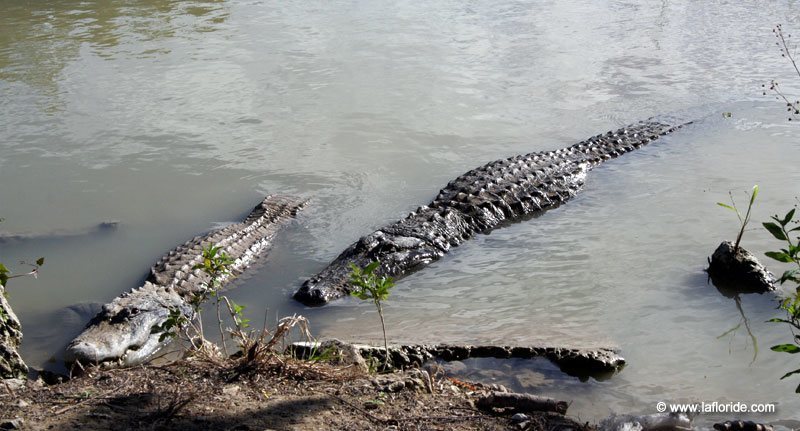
pixel 126 330
pixel 397 253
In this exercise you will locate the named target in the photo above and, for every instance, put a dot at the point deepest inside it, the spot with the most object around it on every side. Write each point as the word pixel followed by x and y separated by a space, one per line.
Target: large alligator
pixel 477 202
pixel 123 332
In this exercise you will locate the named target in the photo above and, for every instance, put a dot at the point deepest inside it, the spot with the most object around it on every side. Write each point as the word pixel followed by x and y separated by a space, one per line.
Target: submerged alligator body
pixel 476 202
pixel 122 333
pixel 102 227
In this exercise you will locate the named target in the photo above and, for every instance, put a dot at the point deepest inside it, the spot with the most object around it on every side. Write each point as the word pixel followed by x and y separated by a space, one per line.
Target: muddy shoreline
pixel 282 393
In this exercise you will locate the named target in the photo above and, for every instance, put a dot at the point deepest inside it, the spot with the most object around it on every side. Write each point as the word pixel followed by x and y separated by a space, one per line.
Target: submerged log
pixel 735 270
pixel 520 403
pixel 582 363
pixel 11 364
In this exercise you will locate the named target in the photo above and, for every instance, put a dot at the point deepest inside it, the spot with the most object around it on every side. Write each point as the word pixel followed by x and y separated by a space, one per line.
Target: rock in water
pixel 737 271
pixel 654 422
pixel 11 363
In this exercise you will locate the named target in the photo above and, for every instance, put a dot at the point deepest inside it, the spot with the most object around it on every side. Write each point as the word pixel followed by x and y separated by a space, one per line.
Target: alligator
pixel 476 202
pixel 102 227
pixel 125 331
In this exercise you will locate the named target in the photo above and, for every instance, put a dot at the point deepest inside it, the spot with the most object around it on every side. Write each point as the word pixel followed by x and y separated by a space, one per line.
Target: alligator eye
pixel 134 311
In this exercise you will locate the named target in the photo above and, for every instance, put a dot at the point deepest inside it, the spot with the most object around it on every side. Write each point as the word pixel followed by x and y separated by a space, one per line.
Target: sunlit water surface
pixel 172 117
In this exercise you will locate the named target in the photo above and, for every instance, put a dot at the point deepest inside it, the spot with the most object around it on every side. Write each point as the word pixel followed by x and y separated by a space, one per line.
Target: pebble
pixel 230 390
pixel 11 424
pixel 519 417
pixel 14 384
pixel 371 405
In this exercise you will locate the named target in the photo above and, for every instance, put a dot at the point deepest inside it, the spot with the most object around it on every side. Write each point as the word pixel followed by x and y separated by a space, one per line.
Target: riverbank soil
pixel 280 394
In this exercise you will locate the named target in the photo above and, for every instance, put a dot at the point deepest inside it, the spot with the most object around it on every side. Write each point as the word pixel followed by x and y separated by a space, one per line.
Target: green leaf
pixel 788 348
pixel 372 267
pixel 40 261
pixel 778 320
pixel 790 274
pixel 3 269
pixel 797 371
pixel 726 206
pixel 779 256
pixel 753 194
pixel 775 230
pixel 360 295
pixel 788 217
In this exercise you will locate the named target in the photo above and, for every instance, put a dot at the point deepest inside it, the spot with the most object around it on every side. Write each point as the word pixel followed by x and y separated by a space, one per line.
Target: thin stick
pixel 786 49
pixel 385 343
pixel 219 324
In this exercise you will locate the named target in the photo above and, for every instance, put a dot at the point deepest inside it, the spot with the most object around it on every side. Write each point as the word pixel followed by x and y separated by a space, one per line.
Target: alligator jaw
pixel 333 282
pixel 123 332
pixel 312 295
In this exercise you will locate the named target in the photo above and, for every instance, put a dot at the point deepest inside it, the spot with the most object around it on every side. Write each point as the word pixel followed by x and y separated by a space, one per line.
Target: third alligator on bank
pixel 477 202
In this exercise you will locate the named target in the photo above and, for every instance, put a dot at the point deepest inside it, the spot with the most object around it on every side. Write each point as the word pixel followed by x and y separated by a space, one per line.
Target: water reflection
pixel 743 321
pixel 39 39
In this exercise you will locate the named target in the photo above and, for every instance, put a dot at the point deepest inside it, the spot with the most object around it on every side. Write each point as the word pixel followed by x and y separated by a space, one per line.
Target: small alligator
pixel 102 227
pixel 477 202
pixel 123 332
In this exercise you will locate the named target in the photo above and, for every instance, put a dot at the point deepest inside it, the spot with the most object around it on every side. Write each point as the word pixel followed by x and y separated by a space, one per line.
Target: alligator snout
pixel 315 292
pixel 83 352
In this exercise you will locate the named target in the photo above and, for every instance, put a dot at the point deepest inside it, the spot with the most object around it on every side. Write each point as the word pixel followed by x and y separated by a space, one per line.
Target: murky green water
pixel 173 116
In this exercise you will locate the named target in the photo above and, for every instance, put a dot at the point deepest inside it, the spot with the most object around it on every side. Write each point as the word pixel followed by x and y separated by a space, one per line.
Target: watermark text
pixel 716 407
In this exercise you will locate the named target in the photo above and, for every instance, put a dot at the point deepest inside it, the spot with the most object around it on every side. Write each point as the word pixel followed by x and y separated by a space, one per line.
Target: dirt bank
pixel 280 394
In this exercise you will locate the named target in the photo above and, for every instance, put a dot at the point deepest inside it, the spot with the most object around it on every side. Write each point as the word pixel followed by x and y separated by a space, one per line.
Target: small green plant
pixel 792 107
pixel 327 354
pixel 782 229
pixel 216 264
pixel 5 275
pixel 742 220
pixel 368 286
pixel 175 321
